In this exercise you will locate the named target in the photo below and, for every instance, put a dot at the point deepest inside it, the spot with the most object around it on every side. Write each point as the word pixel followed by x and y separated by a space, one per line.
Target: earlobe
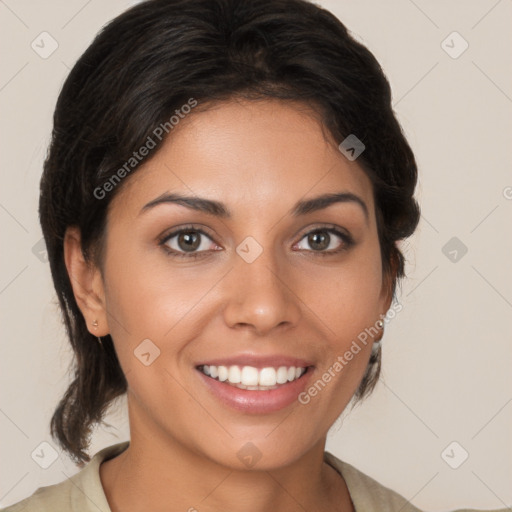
pixel 87 283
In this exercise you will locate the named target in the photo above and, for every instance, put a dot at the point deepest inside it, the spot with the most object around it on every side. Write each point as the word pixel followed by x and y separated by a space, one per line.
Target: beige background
pixel 447 355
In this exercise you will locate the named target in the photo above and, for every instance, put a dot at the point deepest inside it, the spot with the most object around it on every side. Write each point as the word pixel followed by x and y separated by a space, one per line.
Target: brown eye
pixel 186 242
pixel 320 239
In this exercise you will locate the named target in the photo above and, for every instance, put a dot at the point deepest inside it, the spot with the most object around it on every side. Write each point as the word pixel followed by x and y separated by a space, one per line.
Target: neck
pixel 169 477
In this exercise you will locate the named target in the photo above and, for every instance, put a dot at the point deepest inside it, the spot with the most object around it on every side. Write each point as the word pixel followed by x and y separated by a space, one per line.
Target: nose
pixel 260 296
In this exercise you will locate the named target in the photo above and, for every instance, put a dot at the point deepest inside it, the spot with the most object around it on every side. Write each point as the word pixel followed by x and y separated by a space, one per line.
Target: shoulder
pixel 368 495
pixel 82 492
pixel 53 497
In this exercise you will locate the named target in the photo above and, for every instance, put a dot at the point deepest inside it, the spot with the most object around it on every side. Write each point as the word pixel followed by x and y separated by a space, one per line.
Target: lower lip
pixel 257 402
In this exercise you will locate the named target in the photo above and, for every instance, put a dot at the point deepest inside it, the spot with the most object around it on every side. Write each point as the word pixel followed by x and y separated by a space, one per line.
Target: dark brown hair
pixel 146 64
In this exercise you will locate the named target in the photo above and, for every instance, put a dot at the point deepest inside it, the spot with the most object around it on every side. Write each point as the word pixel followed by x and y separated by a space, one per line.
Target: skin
pixel 259 158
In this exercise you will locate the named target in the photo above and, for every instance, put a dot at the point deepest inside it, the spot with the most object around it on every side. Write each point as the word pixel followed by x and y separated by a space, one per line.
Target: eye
pixel 189 242
pixel 320 239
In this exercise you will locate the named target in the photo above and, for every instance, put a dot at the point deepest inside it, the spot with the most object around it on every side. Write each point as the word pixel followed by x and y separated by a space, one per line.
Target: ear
pixel 387 285
pixel 87 283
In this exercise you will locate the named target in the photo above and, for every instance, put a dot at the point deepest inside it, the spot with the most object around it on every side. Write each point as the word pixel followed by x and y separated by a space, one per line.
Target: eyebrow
pixel 218 209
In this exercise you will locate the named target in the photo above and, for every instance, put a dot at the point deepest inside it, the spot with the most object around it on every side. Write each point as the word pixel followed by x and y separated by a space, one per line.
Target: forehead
pixel 250 154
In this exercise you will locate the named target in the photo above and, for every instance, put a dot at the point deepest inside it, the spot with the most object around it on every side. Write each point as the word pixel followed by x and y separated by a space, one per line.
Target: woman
pixel 221 203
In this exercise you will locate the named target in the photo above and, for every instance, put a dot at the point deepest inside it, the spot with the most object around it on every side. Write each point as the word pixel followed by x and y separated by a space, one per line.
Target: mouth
pixel 252 378
pixel 255 383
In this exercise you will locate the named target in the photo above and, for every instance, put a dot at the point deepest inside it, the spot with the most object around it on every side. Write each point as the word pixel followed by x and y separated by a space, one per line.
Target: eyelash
pixel 348 242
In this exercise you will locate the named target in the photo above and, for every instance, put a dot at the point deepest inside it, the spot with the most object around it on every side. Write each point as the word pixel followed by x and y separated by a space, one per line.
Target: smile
pixel 251 378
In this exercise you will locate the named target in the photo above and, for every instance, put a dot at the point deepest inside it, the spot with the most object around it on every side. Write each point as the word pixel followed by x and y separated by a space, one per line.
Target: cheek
pixel 347 299
pixel 158 299
pixel 152 300
pixel 348 307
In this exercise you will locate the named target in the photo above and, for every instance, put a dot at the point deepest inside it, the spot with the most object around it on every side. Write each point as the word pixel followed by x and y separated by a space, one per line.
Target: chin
pixel 256 453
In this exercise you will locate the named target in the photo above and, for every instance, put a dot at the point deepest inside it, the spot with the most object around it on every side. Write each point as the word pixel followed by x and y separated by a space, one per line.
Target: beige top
pixel 83 491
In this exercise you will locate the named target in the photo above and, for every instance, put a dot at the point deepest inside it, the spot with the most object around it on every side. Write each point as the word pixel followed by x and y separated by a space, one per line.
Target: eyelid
pixel 185 227
pixel 324 226
pixel 347 239
pixel 342 233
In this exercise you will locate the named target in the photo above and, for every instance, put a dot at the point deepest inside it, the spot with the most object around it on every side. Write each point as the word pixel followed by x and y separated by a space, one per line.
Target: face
pixel 263 285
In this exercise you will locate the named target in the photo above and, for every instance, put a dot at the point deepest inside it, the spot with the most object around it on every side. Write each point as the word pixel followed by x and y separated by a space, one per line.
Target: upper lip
pixel 258 361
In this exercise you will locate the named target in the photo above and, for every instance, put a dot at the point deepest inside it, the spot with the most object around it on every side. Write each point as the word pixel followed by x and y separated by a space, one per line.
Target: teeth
pixel 234 375
pixel 282 375
pixel 249 377
pixel 267 377
pixel 223 373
